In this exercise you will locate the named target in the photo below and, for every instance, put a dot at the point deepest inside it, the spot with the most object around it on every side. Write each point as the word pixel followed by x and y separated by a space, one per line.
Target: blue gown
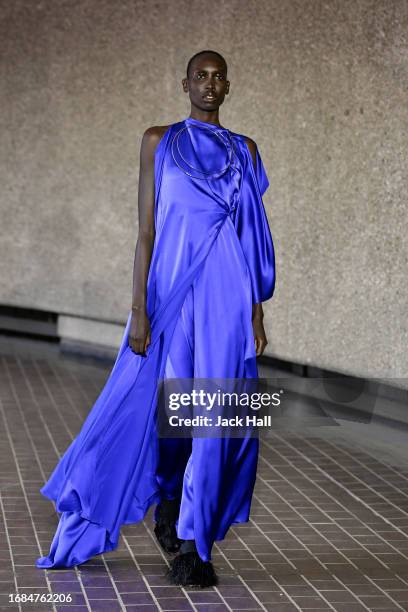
pixel 213 257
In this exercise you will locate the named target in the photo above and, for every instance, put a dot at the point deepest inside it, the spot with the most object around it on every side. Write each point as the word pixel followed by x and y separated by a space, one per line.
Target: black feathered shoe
pixel 165 529
pixel 188 569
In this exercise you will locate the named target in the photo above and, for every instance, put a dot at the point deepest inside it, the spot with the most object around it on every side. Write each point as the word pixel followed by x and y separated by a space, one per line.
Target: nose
pixel 210 85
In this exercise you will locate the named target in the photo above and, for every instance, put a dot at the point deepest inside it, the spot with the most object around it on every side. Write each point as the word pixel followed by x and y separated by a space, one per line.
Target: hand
pixel 139 332
pixel 259 335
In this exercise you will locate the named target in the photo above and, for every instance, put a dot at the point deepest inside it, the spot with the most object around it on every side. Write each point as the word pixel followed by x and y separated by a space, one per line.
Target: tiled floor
pixel 328 528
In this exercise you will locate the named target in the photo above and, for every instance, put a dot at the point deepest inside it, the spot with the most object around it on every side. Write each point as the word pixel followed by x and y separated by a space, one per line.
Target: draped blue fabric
pixel 213 258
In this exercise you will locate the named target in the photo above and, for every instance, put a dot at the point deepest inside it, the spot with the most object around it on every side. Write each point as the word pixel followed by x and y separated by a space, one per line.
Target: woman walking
pixel 204 263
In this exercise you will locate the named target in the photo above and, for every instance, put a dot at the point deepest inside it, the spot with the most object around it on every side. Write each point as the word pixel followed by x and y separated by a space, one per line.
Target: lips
pixel 210 97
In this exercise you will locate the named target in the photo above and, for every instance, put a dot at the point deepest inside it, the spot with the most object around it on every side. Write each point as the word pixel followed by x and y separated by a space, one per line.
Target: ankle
pixel 188 546
pixel 169 509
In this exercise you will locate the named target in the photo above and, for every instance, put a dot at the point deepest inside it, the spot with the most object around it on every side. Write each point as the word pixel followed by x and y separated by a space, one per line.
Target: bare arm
pixel 139 334
pixel 146 234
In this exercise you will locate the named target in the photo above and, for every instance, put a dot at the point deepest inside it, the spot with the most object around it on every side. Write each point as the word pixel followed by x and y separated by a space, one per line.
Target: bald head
pixel 202 55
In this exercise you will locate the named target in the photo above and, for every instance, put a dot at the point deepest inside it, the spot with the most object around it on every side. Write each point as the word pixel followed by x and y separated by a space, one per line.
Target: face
pixel 207 83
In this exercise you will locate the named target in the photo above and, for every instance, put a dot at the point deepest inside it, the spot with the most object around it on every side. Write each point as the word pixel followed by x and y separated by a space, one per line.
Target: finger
pixel 148 341
pixel 142 349
pixel 262 347
pixel 137 347
pixel 257 340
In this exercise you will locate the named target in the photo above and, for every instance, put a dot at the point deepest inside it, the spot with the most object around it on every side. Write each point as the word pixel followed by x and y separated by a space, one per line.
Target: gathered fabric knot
pixel 233 204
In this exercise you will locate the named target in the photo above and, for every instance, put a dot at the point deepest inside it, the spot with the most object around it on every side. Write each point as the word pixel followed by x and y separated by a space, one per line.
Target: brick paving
pixel 328 527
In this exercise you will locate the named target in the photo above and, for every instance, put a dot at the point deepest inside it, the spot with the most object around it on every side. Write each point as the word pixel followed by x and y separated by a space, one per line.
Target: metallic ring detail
pixel 216 174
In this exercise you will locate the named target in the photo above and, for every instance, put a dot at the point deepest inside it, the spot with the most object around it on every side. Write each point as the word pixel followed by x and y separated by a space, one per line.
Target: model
pixel 204 263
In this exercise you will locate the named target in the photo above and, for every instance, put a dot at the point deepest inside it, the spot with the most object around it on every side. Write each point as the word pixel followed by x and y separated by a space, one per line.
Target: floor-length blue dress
pixel 213 257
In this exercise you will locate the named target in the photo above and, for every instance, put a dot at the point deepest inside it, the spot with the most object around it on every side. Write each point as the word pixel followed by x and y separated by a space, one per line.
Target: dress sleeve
pixel 252 226
pixel 262 179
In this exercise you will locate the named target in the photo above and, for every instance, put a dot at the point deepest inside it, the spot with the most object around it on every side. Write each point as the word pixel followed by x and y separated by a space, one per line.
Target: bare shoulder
pixel 152 136
pixel 155 133
pixel 252 148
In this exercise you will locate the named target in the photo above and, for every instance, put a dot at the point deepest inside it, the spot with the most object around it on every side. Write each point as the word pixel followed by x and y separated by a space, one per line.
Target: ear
pixel 184 82
pixel 227 86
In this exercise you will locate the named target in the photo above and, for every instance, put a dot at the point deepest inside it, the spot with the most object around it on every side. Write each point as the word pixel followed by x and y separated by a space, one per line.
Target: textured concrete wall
pixel 321 86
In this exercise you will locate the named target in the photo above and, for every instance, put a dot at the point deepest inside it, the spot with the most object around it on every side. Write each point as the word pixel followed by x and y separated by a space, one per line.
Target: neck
pixel 205 116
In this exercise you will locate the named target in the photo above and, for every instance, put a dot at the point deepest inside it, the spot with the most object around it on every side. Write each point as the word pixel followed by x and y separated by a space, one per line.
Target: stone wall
pixel 320 85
